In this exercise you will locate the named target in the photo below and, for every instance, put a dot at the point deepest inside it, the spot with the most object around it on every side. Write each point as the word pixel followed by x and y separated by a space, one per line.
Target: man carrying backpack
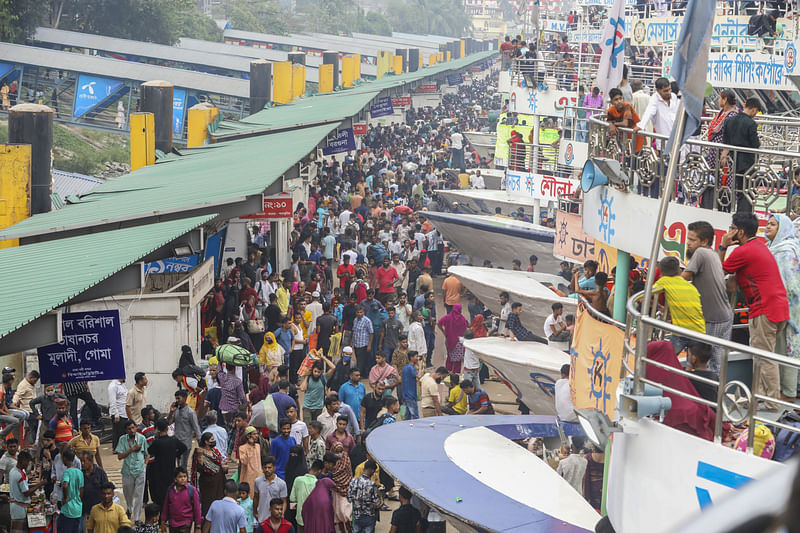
pixel 181 504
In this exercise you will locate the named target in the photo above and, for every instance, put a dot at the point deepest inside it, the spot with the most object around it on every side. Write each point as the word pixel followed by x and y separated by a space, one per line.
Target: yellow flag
pixel 596 360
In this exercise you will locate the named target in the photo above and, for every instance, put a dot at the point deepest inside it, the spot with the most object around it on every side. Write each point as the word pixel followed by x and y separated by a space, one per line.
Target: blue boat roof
pixel 414 453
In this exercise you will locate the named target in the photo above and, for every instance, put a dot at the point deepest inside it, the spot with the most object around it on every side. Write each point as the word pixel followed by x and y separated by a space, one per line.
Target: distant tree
pixel 442 17
pixel 18 19
pixel 373 22
pixel 261 16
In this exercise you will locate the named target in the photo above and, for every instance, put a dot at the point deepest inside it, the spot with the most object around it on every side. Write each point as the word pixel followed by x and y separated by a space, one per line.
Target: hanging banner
pixel 344 142
pixel 401 101
pixel 455 79
pixel 538 186
pixel 92 92
pixel 728 29
pixel 360 128
pixel 551 102
pixel 274 207
pixel 753 70
pixel 90 349
pixel 427 88
pixel 178 109
pixel 381 107
pixel 5 69
pixel 570 242
pixel 595 363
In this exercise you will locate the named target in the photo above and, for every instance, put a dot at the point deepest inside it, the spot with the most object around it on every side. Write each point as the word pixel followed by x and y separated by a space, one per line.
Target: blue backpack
pixel 787 443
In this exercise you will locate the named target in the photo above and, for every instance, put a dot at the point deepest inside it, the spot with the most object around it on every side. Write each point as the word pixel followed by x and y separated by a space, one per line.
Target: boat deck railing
pixel 710 175
pixel 558 75
pixel 736 402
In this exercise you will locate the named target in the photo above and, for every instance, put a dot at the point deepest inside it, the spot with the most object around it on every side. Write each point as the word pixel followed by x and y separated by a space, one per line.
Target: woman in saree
pixel 786 248
pixel 453 325
pixel 318 508
pixel 342 475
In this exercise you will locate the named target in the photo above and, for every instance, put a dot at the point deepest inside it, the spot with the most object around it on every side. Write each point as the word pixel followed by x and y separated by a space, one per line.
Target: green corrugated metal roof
pixel 78 263
pixel 338 105
pixel 210 175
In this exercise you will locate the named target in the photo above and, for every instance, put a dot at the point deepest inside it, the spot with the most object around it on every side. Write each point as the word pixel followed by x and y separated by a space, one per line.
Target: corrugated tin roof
pixel 379 41
pixel 139 48
pixel 338 105
pixel 212 175
pixel 73 184
pixel 306 41
pixel 79 262
pixel 124 70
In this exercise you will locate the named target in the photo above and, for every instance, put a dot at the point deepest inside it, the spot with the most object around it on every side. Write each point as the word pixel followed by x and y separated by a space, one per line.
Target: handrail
pixel 757 354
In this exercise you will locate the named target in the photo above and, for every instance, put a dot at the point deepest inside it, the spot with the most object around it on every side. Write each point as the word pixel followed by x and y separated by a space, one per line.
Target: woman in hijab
pixel 786 249
pixel 477 327
pixel 295 468
pixel 187 358
pixel 453 325
pixel 271 354
pixel 342 476
pixel 318 508
pixel 208 471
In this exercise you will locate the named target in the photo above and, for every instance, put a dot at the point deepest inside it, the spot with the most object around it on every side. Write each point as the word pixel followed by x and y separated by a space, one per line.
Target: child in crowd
pixel 699 355
pixel 246 503
pixel 316 444
pixel 152 516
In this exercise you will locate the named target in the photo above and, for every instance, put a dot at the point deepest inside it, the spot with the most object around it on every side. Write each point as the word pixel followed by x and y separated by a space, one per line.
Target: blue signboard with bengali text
pixel 455 79
pixel 93 92
pixel 178 109
pixel 90 349
pixel 171 264
pixel 5 69
pixel 381 107
pixel 344 142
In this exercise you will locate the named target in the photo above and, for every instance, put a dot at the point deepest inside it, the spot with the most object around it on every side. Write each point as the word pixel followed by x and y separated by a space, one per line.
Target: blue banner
pixel 454 79
pixel 345 141
pixel 5 69
pixel 381 107
pixel 90 349
pixel 171 264
pixel 92 92
pixel 178 109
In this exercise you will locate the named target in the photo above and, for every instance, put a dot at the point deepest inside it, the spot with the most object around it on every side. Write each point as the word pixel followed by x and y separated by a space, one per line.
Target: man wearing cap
pixel 340 373
pixel 315 308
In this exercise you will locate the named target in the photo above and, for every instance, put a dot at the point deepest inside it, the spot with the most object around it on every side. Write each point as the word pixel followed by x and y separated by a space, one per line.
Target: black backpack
pixel 192 371
pixel 378 422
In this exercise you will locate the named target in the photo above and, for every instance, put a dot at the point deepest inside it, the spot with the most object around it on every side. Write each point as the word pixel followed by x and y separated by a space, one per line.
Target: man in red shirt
pixel 758 275
pixel 386 276
pixel 346 273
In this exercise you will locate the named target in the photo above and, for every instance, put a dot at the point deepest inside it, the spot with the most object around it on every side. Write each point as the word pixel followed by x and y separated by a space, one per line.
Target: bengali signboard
pixel 626 221
pixel 728 29
pixel 90 349
pixel 274 206
pixel 401 101
pixel 171 265
pixel 754 70
pixel 360 128
pixel 531 102
pixel 201 282
pixel 589 36
pixel 571 242
pixel 572 153
pixel 538 186
pixel 427 88
pixel 381 107
pixel 92 92
pixel 455 79
pixel 344 141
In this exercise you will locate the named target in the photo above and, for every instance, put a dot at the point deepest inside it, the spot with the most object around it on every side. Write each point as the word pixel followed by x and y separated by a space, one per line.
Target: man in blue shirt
pixel 353 392
pixel 328 244
pixel 362 339
pixel 284 337
pixel 280 446
pixel 225 515
pixel 409 386
pixel 586 281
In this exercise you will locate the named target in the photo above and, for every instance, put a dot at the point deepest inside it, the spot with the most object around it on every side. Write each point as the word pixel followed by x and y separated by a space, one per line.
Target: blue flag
pixel 690 62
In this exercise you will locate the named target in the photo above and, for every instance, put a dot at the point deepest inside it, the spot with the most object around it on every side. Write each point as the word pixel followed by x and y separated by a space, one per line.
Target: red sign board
pixel 360 129
pixel 428 88
pixel 277 206
pixel 400 101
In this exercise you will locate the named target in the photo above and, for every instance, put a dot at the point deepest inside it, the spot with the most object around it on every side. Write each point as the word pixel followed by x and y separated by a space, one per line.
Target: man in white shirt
pixel 395 245
pixel 117 396
pixel 661 111
pixel 344 219
pixel 315 307
pixel 505 310
pixel 416 335
pixel 555 329
pixel 476 180
pixel 640 99
pixel 564 408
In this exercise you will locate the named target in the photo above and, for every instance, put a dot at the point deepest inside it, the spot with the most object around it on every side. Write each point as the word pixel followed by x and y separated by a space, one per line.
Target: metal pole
pixel 642 330
pixel 621 284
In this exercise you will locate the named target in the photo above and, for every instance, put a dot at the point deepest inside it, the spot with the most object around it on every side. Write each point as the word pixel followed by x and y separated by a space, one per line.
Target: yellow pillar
pixel 463 48
pixel 432 60
pixel 198 118
pixel 440 57
pixel 357 71
pixel 347 71
pixel 499 41
pixel 398 65
pixel 325 84
pixel 298 80
pixel 421 62
pixel 143 140
pixel 448 55
pixel 15 187
pixel 282 82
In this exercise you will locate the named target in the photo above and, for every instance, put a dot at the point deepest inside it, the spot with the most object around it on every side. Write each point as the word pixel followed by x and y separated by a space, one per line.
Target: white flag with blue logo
pixel 690 62
pixel 612 49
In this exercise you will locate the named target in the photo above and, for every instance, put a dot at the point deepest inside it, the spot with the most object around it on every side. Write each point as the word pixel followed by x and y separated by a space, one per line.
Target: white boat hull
pixel 529 369
pixel 499 239
pixel 482 142
pixel 524 287
pixel 485 201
